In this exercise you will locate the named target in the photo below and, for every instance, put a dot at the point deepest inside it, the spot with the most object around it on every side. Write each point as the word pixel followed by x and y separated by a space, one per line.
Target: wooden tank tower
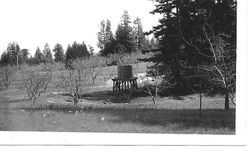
pixel 124 80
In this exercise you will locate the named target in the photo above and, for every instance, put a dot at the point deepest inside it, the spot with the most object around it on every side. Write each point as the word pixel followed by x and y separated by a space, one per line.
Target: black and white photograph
pixel 127 70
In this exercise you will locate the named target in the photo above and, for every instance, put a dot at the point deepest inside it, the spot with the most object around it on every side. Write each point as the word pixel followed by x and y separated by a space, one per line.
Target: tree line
pixel 14 55
pixel 129 37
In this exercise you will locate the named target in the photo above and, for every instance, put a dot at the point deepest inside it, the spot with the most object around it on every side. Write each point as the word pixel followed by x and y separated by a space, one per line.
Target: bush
pixel 6 76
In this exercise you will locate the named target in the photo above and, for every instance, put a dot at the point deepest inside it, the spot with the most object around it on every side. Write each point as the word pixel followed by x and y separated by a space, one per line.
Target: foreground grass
pixel 126 118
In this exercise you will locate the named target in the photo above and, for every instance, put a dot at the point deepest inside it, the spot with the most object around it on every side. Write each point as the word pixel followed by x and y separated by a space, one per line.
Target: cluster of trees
pixel 197 44
pixel 16 56
pixel 44 56
pixel 129 37
pixel 76 51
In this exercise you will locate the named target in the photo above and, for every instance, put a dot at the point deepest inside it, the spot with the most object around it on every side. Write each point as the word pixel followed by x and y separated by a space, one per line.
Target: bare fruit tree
pixel 95 64
pixel 6 75
pixel 156 83
pixel 75 82
pixel 221 70
pixel 35 83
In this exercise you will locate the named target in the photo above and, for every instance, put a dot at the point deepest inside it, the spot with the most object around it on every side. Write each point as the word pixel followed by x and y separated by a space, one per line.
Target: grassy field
pixel 103 111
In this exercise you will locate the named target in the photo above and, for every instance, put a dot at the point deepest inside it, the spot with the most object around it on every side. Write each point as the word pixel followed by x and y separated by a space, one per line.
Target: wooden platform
pixel 121 85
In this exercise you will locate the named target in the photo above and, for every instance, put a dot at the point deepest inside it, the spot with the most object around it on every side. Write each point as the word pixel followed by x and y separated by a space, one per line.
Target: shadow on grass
pixel 19 100
pixel 112 97
pixel 177 120
pixel 184 119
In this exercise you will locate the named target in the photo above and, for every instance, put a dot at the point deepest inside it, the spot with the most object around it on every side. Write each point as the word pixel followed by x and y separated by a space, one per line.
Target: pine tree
pixel 4 59
pixel 108 31
pixel 69 55
pixel 124 34
pixel 59 53
pixel 126 20
pixel 76 51
pixel 101 36
pixel 24 56
pixel 13 53
pixel 39 57
pixel 31 61
pixel 138 34
pixel 105 34
pixel 47 54
pixel 18 54
pixel 111 47
pixel 183 22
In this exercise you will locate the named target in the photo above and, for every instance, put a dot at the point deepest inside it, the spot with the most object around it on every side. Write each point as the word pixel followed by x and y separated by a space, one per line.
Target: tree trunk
pixel 200 104
pixel 156 91
pixel 227 100
pixel 153 99
pixel 17 61
pixel 200 94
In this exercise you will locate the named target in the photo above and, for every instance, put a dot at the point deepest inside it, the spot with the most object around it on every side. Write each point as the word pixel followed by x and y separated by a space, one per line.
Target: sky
pixel 32 23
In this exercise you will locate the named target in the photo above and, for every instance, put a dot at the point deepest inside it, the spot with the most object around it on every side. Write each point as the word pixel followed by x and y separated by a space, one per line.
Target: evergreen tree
pixel 126 20
pixel 101 36
pixel 138 34
pixel 59 53
pixel 105 34
pixel 47 54
pixel 39 57
pixel 31 61
pixel 4 59
pixel 108 31
pixel 80 50
pixel 76 51
pixel 12 54
pixel 124 34
pixel 17 54
pixel 69 55
pixel 111 47
pixel 183 22
pixel 24 56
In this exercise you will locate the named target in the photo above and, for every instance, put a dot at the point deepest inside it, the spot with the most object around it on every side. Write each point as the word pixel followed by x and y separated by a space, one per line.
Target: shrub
pixel 6 75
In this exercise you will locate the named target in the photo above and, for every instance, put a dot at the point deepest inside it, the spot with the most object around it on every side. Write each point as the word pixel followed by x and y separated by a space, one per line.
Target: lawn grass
pixel 102 111
pixel 135 117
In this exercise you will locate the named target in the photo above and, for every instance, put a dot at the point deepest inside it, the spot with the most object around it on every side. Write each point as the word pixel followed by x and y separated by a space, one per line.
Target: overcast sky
pixel 33 23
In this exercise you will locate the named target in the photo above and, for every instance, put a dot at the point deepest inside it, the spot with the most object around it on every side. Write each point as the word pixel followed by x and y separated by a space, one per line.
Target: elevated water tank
pixel 124 72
